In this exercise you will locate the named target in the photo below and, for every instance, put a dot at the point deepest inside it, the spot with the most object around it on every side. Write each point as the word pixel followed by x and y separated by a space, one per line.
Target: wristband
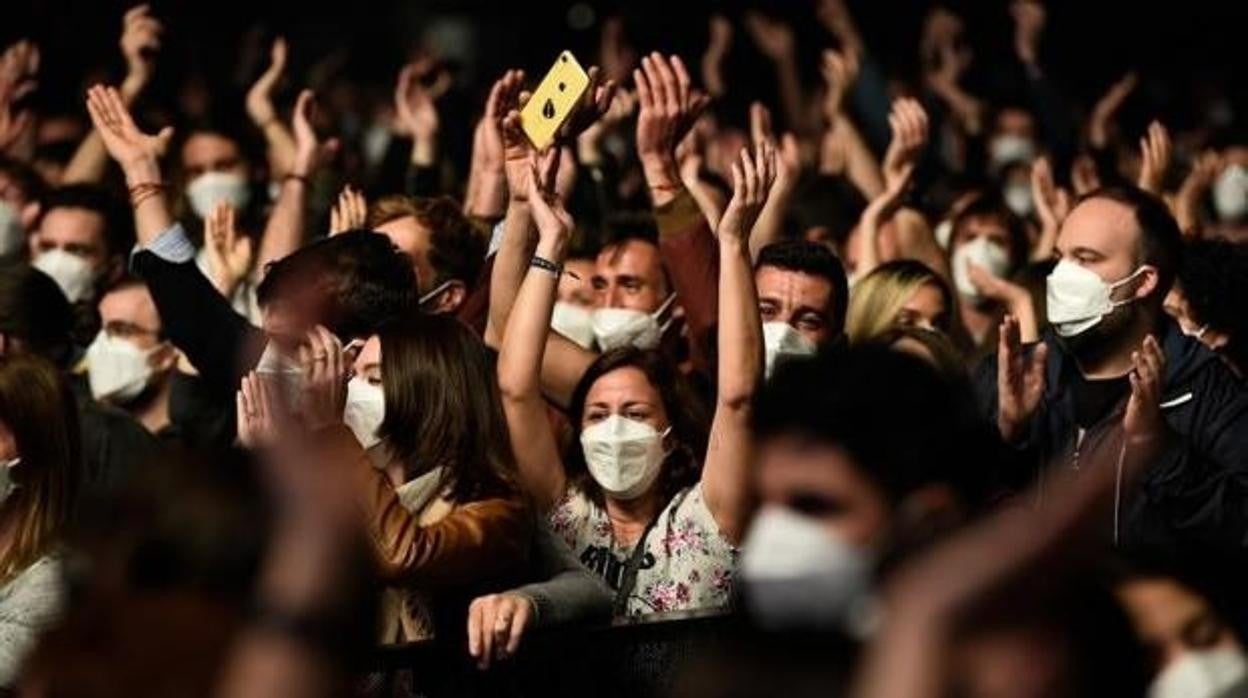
pixel 144 190
pixel 546 265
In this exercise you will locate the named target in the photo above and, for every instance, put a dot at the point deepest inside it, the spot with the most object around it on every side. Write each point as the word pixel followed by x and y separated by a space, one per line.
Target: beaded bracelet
pixel 546 265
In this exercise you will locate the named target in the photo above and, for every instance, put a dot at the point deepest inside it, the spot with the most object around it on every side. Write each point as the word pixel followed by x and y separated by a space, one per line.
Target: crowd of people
pixel 948 385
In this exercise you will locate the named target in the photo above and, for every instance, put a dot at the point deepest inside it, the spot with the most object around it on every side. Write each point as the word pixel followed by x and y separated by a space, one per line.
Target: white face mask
pixel 6 478
pixel 983 252
pixel 1230 193
pixel 1009 148
pixel 618 327
pixel 574 322
pixel 284 373
pixel 1216 673
pixel 780 342
pixel 624 455
pixel 212 188
pixel 1018 198
pixel 118 370
pixel 1078 299
pixel 794 573
pixel 365 411
pixel 12 233
pixel 72 273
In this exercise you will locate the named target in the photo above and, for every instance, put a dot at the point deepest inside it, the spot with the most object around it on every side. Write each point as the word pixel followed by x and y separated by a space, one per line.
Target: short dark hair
pixel 118 223
pixel 1161 241
pixel 363 280
pixel 33 309
pixel 990 204
pixel 813 259
pixel 29 181
pixel 457 247
pixel 689 419
pixel 443 406
pixel 904 425
pixel 1214 279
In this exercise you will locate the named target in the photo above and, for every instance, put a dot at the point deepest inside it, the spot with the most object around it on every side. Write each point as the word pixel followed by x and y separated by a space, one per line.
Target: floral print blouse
pixel 687 565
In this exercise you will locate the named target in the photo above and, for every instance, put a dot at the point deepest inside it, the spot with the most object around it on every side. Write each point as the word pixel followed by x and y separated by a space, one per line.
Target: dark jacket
pixel 1195 496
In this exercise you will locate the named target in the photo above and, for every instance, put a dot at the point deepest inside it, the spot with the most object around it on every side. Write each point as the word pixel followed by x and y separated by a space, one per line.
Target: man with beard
pixel 1115 376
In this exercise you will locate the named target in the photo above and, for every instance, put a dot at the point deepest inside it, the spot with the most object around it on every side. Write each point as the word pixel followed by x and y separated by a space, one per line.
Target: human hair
pixel 1214 279
pixel 118 224
pixel 28 181
pixel 686 414
pixel 456 246
pixel 38 408
pixel 879 297
pixel 34 310
pixel 130 281
pixel 903 424
pixel 360 279
pixel 813 259
pixel 1161 241
pixel 946 358
pixel 443 407
pixel 990 204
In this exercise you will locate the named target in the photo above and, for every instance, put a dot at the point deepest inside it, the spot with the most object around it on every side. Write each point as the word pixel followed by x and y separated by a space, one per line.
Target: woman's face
pixel 627 392
pixel 925 308
pixel 368 363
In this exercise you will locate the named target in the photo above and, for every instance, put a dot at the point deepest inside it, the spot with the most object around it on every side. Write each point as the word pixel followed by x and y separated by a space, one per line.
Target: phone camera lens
pixel 563 86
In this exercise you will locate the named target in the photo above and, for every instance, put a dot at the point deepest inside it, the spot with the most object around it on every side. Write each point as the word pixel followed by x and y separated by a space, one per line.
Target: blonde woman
pixel 901 293
pixel 38 474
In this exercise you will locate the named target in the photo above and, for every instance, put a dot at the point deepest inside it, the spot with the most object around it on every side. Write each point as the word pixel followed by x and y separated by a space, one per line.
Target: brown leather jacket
pixel 444 546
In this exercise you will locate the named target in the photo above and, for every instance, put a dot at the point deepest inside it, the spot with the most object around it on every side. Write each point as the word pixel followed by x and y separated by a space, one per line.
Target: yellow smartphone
pixel 554 100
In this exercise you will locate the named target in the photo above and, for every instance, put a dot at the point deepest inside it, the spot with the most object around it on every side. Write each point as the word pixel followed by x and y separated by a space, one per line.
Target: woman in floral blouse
pixel 633 497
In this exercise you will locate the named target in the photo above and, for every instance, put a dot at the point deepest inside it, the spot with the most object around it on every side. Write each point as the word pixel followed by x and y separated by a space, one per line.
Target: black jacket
pixel 1195 497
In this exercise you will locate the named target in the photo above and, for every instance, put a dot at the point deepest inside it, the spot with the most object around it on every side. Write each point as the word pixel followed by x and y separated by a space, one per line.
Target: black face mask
pixel 203 417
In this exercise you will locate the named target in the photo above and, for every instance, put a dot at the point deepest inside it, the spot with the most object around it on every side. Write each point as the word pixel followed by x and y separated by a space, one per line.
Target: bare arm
pixel 284 231
pixel 770 224
pixel 775 40
pixel 909 125
pixel 848 153
pixel 524 342
pixel 279 144
pixel 726 473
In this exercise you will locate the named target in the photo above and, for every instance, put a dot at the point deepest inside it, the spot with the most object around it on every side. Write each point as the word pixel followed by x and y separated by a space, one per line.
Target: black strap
pixel 631 567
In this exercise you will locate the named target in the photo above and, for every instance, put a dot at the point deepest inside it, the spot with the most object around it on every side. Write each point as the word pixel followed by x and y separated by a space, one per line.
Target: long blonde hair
pixel 38 409
pixel 877 300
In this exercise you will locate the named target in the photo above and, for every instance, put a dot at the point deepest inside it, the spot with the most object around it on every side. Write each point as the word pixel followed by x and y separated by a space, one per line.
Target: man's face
pixel 800 300
pixel 823 482
pixel 129 313
pixel 78 231
pixel 976 227
pixel 630 275
pixel 1170 620
pixel 211 152
pixel 577 286
pixel 1015 122
pixel 1101 235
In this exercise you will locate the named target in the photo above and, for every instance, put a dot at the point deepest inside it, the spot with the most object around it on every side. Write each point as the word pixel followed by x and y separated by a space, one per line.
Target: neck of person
pixel 630 517
pixel 979 317
pixel 1114 360
pixel 154 413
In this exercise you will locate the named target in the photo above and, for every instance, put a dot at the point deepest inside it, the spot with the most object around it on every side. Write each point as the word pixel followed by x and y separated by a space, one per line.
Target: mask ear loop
pixel 667 304
pixel 424 300
pixel 1125 280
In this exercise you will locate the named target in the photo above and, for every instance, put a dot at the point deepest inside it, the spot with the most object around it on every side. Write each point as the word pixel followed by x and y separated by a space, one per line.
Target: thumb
pixel 163 138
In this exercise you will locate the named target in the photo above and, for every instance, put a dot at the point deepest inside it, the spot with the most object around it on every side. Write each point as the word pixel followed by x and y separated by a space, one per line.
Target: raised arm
pixel 416 116
pixel 140 39
pixel 1052 205
pixel 770 223
pixel 284 231
pixel 845 150
pixel 726 474
pixel 775 40
pixel 279 144
pixel 501 130
pixel 909 125
pixel 524 343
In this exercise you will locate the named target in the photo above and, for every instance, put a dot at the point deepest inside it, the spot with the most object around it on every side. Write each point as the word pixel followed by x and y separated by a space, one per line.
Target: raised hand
pixel 752 177
pixel 1029 20
pixel 717 45
pixel 1192 192
pixel 140 40
pixel 773 37
pixel 1052 205
pixel 416 112
pixel 137 152
pixel 1083 175
pixel 310 152
pixel 19 68
pixel 594 104
pixel 495 625
pixel 1142 422
pixel 1020 381
pixel 259 100
pixel 669 108
pixel 325 374
pixel 788 152
pixel 257 413
pixel 840 71
pixel 589 143
pixel 1106 107
pixel 908 122
pixel 349 212
pixel 554 223
pixel 229 254
pixel 1154 158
